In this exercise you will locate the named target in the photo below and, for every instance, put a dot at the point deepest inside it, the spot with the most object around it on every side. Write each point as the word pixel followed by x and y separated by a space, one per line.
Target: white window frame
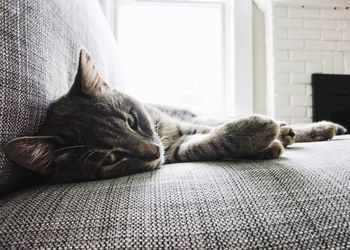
pixel 238 47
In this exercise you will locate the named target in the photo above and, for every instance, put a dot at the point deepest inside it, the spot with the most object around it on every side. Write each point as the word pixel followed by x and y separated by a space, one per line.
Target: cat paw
pixel 256 125
pixel 286 136
pixel 322 131
pixel 272 152
pixel 340 129
pixel 250 135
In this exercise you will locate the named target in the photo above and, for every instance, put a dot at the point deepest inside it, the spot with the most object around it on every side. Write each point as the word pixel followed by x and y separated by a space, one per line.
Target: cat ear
pixel 34 153
pixel 88 81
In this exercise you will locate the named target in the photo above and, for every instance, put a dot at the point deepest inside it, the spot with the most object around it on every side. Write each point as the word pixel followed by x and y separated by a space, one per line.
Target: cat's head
pixel 92 132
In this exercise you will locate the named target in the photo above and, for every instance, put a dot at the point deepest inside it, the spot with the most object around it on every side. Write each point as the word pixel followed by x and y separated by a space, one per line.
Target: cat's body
pixel 94 132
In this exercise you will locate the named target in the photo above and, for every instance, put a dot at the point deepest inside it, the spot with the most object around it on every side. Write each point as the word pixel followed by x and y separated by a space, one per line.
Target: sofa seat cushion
pixel 301 200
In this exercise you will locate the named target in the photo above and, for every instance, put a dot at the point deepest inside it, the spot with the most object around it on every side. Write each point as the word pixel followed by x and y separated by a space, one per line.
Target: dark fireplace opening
pixel 331 98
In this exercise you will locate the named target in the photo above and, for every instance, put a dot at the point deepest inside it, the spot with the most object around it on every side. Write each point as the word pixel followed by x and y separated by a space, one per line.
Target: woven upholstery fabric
pixel 299 201
pixel 40 42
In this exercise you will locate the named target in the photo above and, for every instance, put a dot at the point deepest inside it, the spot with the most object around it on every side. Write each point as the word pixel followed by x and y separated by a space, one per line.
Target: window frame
pixel 237 47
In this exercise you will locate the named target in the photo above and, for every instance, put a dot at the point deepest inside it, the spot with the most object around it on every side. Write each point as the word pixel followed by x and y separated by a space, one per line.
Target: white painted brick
pixel 305 56
pixel 282 78
pixel 346 56
pixel 289 89
pixel 332 35
pixel 346 35
pixel 289 44
pixel 288 23
pixel 300 77
pixel 327 62
pixel 309 90
pixel 280 12
pixel 280 34
pixel 320 24
pixel 281 55
pixel 306 41
pixel 282 100
pixel 298 120
pixel 342 25
pixel 304 34
pixel 309 112
pixel 343 46
pixel 303 12
pixel 301 101
pixel 314 67
pixel 291 111
pixel 335 14
pixel 290 67
pixel 338 63
pixel 320 45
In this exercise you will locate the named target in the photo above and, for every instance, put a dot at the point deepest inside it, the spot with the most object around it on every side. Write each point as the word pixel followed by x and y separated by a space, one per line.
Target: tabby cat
pixel 94 132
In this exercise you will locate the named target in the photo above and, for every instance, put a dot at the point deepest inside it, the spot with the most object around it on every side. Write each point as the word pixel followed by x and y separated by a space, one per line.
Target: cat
pixel 94 132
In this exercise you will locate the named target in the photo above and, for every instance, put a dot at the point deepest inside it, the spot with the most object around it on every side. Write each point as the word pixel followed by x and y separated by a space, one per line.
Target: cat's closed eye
pixel 132 121
pixel 111 159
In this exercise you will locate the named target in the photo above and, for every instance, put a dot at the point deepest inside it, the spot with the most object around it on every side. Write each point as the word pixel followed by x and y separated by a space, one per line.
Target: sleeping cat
pixel 93 132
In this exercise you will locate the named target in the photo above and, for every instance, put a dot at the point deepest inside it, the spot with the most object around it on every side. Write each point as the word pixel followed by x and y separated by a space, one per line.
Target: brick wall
pixel 306 41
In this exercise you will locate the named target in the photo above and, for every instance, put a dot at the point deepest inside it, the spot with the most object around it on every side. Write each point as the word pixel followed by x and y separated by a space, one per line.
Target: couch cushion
pixel 301 200
pixel 39 48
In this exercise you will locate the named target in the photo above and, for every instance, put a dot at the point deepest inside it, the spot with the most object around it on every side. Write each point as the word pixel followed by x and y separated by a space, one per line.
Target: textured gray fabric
pixel 39 47
pixel 300 201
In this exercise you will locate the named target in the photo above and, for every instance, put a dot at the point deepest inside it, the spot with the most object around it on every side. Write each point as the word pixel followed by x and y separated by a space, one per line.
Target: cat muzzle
pixel 150 151
pixel 145 151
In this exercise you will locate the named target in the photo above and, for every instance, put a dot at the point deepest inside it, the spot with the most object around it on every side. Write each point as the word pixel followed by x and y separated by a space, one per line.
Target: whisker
pixel 91 154
pixel 81 157
pixel 87 157
pixel 78 146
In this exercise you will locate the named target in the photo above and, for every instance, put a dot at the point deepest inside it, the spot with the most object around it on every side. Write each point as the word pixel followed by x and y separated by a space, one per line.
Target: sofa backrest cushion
pixel 39 52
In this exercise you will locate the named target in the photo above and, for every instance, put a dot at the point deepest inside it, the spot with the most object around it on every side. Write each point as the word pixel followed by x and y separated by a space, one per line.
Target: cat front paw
pixel 286 135
pixel 322 131
pixel 251 135
pixel 272 152
pixel 253 125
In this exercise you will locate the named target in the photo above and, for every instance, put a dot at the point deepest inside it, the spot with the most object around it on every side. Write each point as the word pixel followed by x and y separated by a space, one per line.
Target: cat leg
pixel 318 131
pixel 243 138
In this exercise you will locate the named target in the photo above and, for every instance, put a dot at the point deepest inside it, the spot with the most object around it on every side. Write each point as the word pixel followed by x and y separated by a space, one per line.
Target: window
pixel 182 52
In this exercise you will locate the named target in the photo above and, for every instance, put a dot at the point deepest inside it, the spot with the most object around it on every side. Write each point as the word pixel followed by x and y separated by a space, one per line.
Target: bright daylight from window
pixel 173 54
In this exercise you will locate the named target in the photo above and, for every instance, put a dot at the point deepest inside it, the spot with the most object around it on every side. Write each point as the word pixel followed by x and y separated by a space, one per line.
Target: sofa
pixel 299 201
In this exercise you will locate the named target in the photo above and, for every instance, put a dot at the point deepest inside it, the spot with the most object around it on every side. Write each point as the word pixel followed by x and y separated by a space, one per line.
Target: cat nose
pixel 154 151
pixel 151 151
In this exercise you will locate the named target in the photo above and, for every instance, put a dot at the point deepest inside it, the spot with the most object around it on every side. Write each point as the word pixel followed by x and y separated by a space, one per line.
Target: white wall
pixel 305 41
pixel 243 56
pixel 259 62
